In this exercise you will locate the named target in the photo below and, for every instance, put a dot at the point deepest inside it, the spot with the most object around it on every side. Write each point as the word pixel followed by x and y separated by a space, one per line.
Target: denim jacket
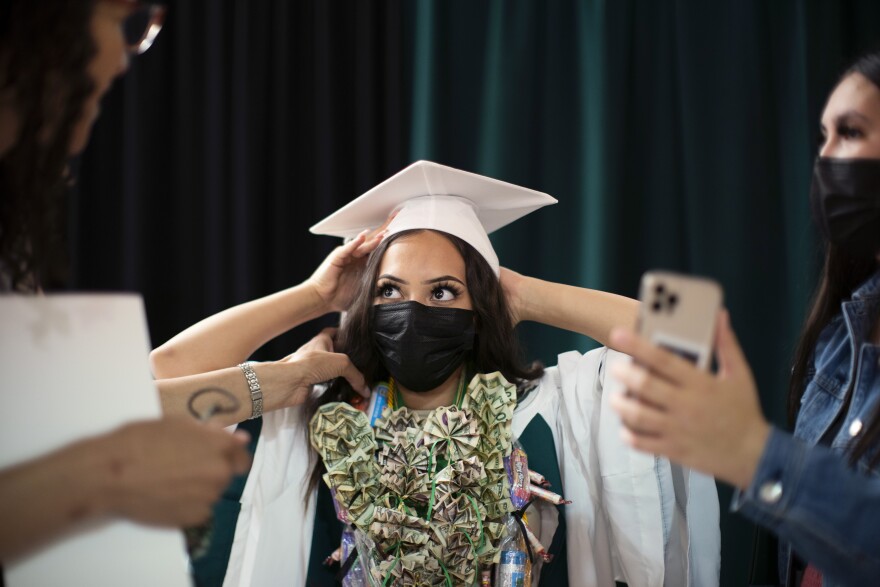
pixel 804 489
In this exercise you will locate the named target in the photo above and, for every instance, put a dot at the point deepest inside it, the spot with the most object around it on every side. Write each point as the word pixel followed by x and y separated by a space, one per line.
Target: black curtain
pixel 245 123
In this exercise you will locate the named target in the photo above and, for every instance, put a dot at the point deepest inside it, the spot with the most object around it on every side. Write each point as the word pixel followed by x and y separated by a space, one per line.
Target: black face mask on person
pixel 421 346
pixel 845 198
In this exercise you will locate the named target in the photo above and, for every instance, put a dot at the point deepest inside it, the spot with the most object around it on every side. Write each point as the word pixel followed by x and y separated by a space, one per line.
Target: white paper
pixel 75 366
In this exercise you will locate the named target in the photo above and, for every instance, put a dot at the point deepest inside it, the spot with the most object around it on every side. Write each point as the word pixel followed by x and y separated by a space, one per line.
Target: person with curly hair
pixel 57 59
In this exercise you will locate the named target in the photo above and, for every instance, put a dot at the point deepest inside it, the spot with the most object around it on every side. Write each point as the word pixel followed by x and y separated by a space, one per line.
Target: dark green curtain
pixel 675 134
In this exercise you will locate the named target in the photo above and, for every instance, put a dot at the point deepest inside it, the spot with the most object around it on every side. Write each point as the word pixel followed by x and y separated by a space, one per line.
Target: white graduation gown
pixel 634 517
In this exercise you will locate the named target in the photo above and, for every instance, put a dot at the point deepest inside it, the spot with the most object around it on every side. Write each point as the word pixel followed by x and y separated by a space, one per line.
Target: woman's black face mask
pixel 845 198
pixel 421 346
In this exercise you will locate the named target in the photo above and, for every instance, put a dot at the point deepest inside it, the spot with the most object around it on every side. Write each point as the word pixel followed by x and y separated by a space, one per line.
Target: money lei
pixel 428 490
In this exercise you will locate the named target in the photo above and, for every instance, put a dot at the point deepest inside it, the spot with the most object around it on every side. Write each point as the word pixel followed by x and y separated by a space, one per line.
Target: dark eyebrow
pixel 846 117
pixel 390 277
pixel 443 278
pixel 851 114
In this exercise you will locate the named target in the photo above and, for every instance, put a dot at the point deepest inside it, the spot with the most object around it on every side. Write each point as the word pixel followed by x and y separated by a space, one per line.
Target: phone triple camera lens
pixel 663 300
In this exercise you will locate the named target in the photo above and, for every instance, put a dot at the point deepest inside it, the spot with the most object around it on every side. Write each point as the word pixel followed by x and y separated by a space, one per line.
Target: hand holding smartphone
pixel 678 313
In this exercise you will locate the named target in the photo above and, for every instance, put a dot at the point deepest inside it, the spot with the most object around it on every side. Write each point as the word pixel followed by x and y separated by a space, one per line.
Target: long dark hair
pixel 496 347
pixel 45 51
pixel 841 274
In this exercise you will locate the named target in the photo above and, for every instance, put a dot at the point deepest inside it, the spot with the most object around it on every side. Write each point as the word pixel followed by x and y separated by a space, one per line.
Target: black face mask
pixel 422 346
pixel 845 198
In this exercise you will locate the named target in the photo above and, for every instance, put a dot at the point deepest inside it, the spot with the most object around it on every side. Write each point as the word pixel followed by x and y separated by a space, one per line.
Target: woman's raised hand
pixel 711 422
pixel 587 311
pixel 337 278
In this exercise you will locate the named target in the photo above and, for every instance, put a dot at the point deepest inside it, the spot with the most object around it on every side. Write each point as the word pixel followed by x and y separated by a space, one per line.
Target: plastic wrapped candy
pixel 378 401
pixel 538 479
pixel 546 495
pixel 537 548
pixel 485 578
pixel 517 466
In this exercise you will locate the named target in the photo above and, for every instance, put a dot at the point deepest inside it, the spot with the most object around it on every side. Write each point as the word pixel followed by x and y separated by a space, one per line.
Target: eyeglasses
pixel 142 25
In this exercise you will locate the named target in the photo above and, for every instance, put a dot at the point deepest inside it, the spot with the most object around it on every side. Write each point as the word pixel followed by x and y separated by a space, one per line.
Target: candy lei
pixel 428 491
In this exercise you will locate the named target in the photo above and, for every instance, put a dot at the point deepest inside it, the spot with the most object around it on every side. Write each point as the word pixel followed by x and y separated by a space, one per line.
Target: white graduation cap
pixel 433 196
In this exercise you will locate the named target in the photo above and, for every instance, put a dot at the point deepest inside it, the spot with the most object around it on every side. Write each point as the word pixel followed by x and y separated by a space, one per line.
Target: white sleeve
pixel 615 531
pixel 273 535
pixel 636 517
pixel 631 494
pixel 590 560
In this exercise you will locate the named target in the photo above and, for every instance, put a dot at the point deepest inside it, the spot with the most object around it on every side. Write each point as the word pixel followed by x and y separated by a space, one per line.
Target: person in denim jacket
pixel 817 489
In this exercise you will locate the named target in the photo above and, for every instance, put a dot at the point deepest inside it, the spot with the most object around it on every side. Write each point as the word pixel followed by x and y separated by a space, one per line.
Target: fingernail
pixel 366 391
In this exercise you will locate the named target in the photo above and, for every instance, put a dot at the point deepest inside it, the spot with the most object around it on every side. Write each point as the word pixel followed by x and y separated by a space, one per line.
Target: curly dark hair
pixel 496 346
pixel 45 51
pixel 842 273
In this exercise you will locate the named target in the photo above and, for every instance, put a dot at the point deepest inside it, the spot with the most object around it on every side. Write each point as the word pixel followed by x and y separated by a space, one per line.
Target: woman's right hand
pixel 337 278
pixel 170 472
pixel 165 472
pixel 711 422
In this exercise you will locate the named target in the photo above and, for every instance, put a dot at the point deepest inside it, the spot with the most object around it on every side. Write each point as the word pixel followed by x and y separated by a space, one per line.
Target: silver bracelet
pixel 254 386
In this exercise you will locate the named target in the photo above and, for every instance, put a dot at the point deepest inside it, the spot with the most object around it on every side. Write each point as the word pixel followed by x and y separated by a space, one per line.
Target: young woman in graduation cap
pixel 431 475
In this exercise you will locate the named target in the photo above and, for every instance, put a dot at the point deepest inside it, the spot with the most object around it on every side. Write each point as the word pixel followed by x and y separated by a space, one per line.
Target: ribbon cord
pixel 347 565
pixel 517 515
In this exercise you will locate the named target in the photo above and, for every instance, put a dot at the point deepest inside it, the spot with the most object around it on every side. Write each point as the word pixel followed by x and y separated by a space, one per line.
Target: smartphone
pixel 679 312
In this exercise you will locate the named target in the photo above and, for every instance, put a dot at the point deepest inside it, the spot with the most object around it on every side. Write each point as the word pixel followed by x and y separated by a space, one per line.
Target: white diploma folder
pixel 74 366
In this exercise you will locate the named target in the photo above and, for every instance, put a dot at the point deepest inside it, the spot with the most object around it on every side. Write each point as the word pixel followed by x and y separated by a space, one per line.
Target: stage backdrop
pixel 675 135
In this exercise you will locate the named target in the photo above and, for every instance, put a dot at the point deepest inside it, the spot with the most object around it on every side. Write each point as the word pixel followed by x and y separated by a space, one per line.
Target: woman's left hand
pixel 512 285
pixel 710 422
pixel 289 380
